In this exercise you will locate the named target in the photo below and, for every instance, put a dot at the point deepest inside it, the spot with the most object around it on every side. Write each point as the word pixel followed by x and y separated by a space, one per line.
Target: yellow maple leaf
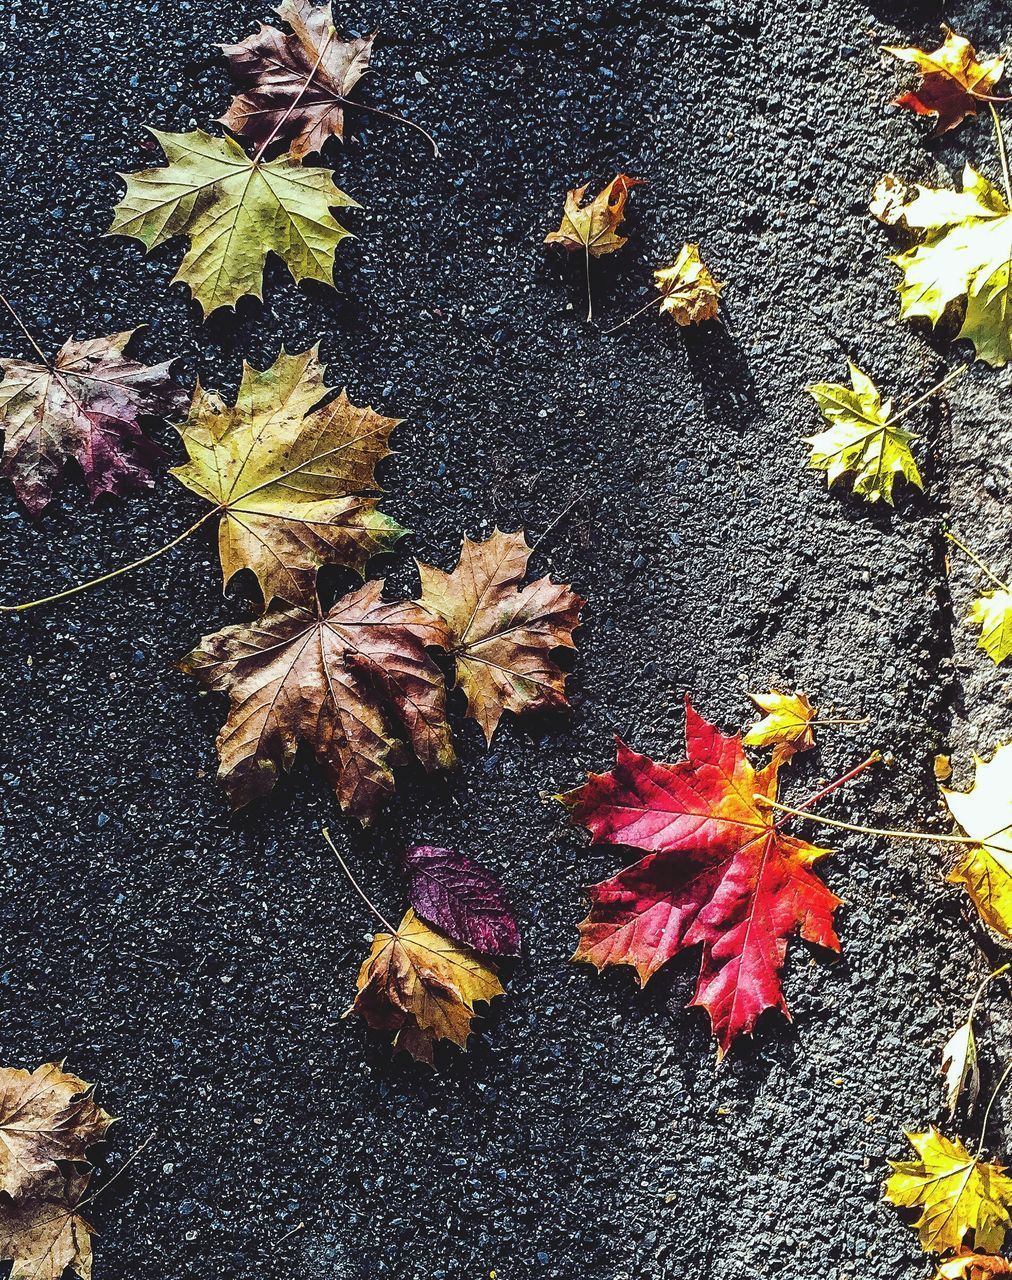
pixel 953 82
pixel 985 813
pixel 956 1193
pixel 689 293
pixel 235 210
pixel 788 719
pixel 293 479
pixel 963 258
pixel 992 612
pixel 424 986
pixel 591 227
pixel 863 438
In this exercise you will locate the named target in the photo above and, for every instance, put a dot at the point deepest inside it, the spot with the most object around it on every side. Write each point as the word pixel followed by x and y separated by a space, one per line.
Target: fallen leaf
pixel 787 720
pixel 953 83
pixel 234 210
pixel 959 1066
pixel 963 258
pixel 424 986
pixel 942 767
pixel 291 476
pixel 719 874
pixel 86 407
pixel 295 87
pixel 502 633
pixel 689 293
pixel 992 612
pixel 591 227
pixel 985 814
pixel 46 1236
pixel 461 898
pixel 955 1193
pixel 861 439
pixel 46 1115
pixel 967 1265
pixel 356 685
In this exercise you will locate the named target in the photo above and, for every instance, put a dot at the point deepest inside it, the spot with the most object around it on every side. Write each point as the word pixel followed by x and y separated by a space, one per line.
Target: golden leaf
pixel 788 719
pixel 689 293
pixel 954 84
pixel 992 612
pixel 985 813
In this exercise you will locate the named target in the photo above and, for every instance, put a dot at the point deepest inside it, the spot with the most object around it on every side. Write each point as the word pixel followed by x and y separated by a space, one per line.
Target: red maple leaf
pixel 719 873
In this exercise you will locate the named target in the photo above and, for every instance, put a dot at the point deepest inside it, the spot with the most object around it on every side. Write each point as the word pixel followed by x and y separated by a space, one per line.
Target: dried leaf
pixel 862 438
pixel 356 685
pixel 964 257
pixel 290 475
pixel 985 813
pixel 423 986
pixel 719 874
pixel 689 292
pixel 955 1193
pixel 46 1115
pixel 87 407
pixel 959 1066
pixel 953 83
pixel 592 226
pixel 787 721
pixel 502 633
pixel 967 1265
pixel 45 1236
pixel 992 612
pixel 273 70
pixel 462 899
pixel 234 210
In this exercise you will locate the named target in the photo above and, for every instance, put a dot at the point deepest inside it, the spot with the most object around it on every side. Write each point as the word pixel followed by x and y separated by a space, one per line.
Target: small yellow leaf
pixel 985 813
pixel 788 719
pixel 959 1066
pixel 992 612
pixel 689 293
pixel 861 439
pixel 956 1193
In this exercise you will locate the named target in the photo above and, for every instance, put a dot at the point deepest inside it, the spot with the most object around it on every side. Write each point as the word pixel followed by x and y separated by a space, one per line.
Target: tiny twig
pixel 977 561
pixel 874 758
pixel 559 519
pixel 119 1172
pixel 278 1243
pixel 629 319
pixel 356 886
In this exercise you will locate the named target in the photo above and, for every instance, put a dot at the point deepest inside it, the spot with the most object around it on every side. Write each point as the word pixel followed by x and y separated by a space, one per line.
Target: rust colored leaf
pixel 85 407
pixel 591 226
pixel 953 84
pixel 424 986
pixel 46 1115
pixel 719 874
pixel 45 1235
pixel 502 633
pixel 967 1265
pixel 356 685
pixel 295 87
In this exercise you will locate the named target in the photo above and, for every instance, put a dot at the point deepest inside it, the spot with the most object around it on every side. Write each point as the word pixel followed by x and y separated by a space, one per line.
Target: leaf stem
pixel 821 724
pixel 876 831
pixel 977 561
pixel 987 1112
pixel 874 758
pixel 18 321
pixel 629 319
pixel 357 887
pixel 115 573
pixel 1002 153
pixel 390 115
pixel 297 99
pixel 119 1172
pixel 982 987
pixel 949 377
pixel 590 301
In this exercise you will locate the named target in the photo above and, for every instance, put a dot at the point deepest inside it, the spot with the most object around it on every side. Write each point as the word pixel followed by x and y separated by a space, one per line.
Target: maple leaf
pixel 985 814
pixel 992 612
pixel 234 210
pixel 355 684
pixel 719 873
pixel 84 406
pixel 689 293
pixel 46 1115
pixel 295 87
pixel 954 1192
pixel 953 82
pixel 964 257
pixel 45 1235
pixel 967 1265
pixel 290 475
pixel 461 898
pixel 787 721
pixel 424 986
pixel 502 634
pixel 863 438
pixel 591 227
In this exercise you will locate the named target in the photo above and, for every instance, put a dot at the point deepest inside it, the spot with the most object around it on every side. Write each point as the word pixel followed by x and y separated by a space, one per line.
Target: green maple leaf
pixel 964 256
pixel 235 210
pixel 862 438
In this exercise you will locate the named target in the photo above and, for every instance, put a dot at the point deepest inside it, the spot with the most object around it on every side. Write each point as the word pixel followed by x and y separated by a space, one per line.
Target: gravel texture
pixel 196 965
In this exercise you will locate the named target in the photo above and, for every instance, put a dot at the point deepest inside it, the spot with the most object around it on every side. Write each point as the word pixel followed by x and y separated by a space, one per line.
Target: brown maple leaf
pixel 502 634
pixel 355 684
pixel 45 1235
pixel 591 227
pixel 85 406
pixel 424 986
pixel 295 87
pixel 953 82
pixel 46 1115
